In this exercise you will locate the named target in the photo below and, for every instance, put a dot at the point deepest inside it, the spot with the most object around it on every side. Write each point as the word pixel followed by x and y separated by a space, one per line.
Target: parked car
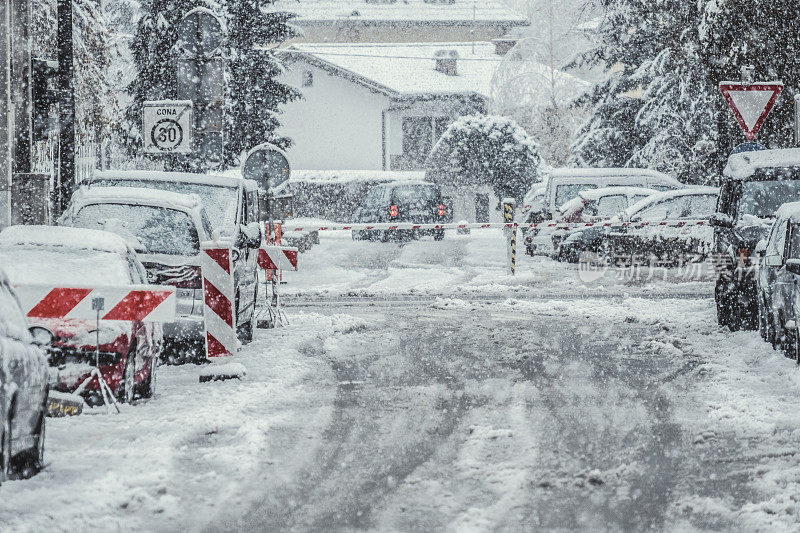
pixel 593 205
pixel 233 209
pixel 777 281
pixel 167 228
pixel 665 244
pixel 754 186
pixel 59 256
pixel 23 390
pixel 417 203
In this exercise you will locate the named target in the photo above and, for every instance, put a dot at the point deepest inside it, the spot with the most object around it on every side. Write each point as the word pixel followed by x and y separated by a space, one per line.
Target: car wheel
pixel 148 388
pixel 245 331
pixel 772 332
pixel 126 392
pixel 5 452
pixel 762 319
pixel 37 452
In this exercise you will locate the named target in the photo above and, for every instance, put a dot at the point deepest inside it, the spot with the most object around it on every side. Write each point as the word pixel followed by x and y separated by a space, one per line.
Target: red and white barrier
pixel 132 303
pixel 219 312
pixel 277 258
pixel 503 225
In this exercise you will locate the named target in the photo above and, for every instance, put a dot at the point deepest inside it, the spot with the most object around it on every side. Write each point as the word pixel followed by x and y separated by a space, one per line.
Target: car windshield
pixel 219 202
pixel 30 263
pixel 157 230
pixel 414 195
pixel 763 198
pixel 564 193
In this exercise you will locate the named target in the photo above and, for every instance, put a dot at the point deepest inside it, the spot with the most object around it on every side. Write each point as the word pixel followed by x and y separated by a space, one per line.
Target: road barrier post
pixel 511 232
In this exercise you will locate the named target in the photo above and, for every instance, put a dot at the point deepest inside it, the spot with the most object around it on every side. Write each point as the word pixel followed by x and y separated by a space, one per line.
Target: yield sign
pixel 751 103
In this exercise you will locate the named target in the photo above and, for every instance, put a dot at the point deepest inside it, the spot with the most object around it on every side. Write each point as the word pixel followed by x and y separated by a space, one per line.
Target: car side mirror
pixel 250 236
pixel 773 260
pixel 793 266
pixel 721 220
pixel 761 248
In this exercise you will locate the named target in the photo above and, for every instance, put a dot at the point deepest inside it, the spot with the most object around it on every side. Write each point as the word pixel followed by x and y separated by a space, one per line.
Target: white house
pixel 382 107
pixel 354 21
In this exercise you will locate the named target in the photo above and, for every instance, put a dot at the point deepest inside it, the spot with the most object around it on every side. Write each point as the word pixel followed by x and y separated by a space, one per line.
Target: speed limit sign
pixel 167 127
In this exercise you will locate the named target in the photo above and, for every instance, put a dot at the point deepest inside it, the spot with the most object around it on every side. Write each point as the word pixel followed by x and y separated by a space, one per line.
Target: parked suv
pixel 754 185
pixel 167 229
pixel 23 389
pixel 778 278
pixel 233 209
pixel 417 203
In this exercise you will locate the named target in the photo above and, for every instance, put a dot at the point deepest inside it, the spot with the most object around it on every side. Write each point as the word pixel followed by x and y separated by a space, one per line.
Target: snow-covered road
pixel 418 388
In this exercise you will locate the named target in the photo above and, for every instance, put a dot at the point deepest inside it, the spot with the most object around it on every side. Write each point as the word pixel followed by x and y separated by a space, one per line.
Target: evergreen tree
pixel 154 58
pixel 255 94
pixel 762 33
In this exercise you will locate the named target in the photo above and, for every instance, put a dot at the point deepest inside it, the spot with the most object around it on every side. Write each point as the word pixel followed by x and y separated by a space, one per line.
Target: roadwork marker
pixel 219 311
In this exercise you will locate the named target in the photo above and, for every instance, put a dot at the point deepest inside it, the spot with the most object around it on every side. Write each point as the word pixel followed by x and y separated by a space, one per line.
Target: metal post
pixel 66 137
pixel 511 232
pixel 21 86
pixel 5 115
pixel 797 119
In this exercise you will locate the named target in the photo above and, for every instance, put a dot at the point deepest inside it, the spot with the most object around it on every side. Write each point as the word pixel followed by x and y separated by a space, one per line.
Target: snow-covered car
pixel 417 203
pixel 23 389
pixel 233 208
pixel 64 257
pixel 563 184
pixel 166 229
pixel 593 205
pixel 664 244
pixel 777 280
pixel 754 185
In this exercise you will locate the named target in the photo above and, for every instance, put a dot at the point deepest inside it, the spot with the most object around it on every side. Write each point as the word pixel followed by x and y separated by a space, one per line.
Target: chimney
pixel 503 45
pixel 447 62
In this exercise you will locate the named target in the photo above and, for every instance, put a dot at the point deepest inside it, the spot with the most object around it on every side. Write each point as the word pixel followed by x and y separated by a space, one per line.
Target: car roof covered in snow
pixel 666 195
pixel 596 194
pixel 136 196
pixel 397 13
pixel 789 210
pixel 742 166
pixel 609 172
pixel 183 177
pixel 76 238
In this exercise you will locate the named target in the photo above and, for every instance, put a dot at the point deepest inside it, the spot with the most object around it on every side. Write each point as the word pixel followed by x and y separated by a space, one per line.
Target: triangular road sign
pixel 751 103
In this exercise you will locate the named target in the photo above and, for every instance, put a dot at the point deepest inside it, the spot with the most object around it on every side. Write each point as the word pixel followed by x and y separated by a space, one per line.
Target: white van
pixel 564 184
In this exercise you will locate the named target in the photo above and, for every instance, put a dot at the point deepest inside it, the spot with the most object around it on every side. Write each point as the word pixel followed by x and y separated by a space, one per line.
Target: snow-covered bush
pixel 485 150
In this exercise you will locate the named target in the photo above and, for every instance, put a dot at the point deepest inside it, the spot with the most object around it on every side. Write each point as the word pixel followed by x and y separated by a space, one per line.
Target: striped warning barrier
pixel 219 311
pixel 131 303
pixel 503 225
pixel 277 257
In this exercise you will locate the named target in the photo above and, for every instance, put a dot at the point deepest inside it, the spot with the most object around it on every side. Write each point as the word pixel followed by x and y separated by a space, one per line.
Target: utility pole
pixel 21 95
pixel 6 138
pixel 66 137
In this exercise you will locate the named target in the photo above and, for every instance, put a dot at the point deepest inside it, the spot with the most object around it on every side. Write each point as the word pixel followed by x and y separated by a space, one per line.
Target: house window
pixel 308 78
pixel 419 137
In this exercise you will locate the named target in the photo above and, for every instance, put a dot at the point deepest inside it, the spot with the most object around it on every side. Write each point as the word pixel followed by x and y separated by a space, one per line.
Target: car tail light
pixel 393 211
pixel 441 210
pixel 744 253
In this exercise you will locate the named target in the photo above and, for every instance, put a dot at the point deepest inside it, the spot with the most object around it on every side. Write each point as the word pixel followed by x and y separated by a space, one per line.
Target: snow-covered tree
pixel 486 150
pixel 655 109
pixel 97 109
pixel 255 92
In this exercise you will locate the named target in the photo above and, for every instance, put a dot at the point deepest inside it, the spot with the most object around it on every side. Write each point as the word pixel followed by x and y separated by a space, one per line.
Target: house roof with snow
pixel 400 12
pixel 409 69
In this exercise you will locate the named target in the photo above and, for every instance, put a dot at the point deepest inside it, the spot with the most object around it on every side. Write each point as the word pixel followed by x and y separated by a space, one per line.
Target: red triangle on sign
pixel 751 103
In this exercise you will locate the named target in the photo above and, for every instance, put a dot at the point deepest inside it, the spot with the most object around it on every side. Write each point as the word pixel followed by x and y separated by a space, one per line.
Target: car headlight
pixel 41 336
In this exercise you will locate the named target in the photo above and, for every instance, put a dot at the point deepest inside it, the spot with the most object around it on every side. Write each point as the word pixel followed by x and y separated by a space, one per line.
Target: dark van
pixel 415 203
